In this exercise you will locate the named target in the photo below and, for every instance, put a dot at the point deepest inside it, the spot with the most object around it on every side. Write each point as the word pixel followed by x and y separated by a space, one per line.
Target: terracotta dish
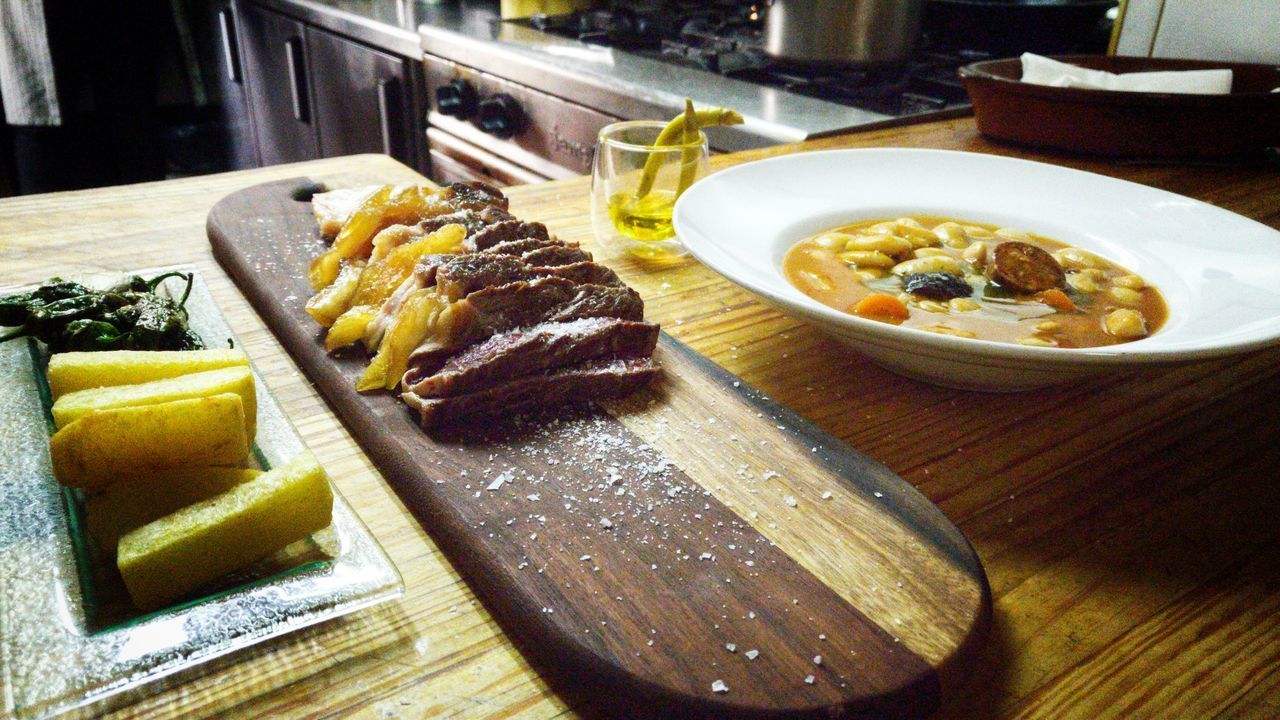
pixel 1128 124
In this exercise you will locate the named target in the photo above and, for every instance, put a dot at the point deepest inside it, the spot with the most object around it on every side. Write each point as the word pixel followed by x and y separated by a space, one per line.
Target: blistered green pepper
pixel 129 316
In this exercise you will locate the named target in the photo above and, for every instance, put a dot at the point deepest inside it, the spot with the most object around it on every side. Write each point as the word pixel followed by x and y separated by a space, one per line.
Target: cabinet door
pixel 276 66
pixel 223 64
pixel 362 98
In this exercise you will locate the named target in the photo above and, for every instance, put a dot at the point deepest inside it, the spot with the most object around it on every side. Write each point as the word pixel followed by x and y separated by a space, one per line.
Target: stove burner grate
pixel 724 37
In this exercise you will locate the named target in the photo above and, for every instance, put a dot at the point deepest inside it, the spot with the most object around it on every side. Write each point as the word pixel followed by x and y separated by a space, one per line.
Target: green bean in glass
pixel 635 184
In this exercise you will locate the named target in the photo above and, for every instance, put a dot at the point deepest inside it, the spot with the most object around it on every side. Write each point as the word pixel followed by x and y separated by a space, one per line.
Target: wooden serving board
pixel 693 551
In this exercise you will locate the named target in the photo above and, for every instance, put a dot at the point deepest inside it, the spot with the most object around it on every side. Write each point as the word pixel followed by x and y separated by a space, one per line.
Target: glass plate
pixel 69 636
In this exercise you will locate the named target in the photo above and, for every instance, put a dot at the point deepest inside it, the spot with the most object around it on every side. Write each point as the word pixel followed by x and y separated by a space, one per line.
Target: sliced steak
pixel 461 275
pixel 473 196
pixel 521 304
pixel 520 247
pixel 593 380
pixel 426 360
pixel 428 265
pixel 473 221
pixel 615 301
pixel 532 350
pixel 552 255
pixel 583 273
pixel 507 231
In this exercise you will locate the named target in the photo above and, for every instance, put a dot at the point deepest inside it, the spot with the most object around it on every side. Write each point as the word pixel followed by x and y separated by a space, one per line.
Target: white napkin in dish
pixel 1041 70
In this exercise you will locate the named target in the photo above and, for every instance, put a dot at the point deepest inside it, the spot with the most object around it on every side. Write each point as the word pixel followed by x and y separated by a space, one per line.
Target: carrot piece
pixel 1057 300
pixel 882 307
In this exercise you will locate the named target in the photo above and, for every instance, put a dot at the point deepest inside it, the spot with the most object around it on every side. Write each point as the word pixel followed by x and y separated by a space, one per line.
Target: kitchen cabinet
pixel 362 99
pixel 314 93
pixel 223 64
pixel 279 98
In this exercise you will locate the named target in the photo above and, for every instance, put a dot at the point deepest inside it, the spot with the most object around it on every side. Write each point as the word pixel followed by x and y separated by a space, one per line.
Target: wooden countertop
pixel 1127 524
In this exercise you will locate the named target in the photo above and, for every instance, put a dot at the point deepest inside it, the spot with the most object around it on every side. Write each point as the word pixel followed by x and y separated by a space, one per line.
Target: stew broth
pixel 947 276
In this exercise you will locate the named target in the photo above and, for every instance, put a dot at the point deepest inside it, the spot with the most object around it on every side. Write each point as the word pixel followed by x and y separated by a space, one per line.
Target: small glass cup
pixel 634 186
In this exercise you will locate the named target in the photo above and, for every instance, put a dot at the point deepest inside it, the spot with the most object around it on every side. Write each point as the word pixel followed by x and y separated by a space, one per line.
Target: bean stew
pixel 976 281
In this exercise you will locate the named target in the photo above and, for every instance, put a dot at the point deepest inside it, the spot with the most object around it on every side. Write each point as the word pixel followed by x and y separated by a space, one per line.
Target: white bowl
pixel 1218 271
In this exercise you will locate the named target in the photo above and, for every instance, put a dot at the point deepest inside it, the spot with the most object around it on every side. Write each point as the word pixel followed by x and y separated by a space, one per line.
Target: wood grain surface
pixel 1127 524
pixel 622 571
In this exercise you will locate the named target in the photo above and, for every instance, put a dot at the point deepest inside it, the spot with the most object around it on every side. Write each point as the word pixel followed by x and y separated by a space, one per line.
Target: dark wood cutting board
pixel 693 551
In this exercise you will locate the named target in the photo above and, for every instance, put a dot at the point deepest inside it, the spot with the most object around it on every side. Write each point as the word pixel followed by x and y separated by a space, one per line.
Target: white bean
pixel 1125 323
pixel 935 263
pixel 950 231
pixel 832 240
pixel 867 258
pixel 1133 282
pixel 1082 282
pixel 1126 296
pixel 930 252
pixel 887 244
pixel 1071 258
pixel 976 254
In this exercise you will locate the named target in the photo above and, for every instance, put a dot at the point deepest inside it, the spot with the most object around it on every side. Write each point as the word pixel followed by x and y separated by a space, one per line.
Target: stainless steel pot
pixel 843 31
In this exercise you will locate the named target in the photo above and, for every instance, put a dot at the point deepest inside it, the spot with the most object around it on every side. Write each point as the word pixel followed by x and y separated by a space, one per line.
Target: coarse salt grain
pixel 719 687
pixel 752 654
pixel 808 679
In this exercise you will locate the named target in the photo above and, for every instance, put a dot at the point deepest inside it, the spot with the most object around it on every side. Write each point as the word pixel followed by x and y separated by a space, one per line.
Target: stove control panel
pixel 457 99
pixel 500 116
pixel 546 135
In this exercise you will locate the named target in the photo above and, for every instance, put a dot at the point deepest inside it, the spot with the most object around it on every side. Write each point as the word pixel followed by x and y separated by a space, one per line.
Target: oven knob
pixel 456 99
pixel 500 116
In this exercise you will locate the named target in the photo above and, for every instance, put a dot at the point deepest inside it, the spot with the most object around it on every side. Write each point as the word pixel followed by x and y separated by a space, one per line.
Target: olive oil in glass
pixel 635 185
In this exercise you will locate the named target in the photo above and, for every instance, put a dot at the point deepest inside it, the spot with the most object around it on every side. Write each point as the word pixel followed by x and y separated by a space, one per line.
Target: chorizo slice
pixel 1025 267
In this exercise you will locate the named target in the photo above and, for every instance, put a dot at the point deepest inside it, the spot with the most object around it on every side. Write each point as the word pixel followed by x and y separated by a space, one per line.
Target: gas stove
pixel 725 38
